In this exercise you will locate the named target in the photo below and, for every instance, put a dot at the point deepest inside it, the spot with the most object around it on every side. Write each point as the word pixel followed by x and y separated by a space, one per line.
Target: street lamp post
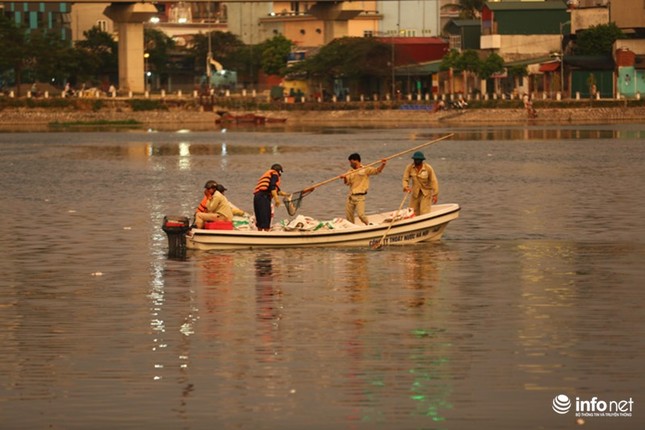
pixel 562 24
pixel 392 69
pixel 145 67
pixel 209 55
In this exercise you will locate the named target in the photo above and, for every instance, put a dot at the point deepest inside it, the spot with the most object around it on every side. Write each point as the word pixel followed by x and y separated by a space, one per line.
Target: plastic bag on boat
pixel 397 215
pixel 305 223
pixel 342 223
pixel 244 222
pixel 302 223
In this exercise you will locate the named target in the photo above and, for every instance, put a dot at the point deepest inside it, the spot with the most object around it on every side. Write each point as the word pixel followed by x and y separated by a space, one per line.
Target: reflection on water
pixel 534 291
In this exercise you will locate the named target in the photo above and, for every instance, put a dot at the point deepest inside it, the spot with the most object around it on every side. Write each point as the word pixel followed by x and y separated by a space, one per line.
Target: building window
pixel 102 24
pixel 454 42
pixel 368 33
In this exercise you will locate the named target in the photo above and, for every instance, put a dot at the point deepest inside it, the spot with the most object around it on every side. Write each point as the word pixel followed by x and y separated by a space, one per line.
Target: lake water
pixel 535 291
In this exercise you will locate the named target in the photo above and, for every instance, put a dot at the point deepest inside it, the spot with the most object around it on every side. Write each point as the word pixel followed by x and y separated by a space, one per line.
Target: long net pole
pixel 292 202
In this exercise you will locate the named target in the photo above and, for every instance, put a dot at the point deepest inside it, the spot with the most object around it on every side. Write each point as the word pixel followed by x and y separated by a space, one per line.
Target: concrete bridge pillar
pixel 335 17
pixel 129 18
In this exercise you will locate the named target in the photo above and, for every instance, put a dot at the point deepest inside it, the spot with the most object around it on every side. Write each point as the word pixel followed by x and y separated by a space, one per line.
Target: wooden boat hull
pixel 402 232
pixel 247 119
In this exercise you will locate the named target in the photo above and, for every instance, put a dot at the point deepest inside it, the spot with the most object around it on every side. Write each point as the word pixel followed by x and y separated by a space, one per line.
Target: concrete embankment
pixel 39 119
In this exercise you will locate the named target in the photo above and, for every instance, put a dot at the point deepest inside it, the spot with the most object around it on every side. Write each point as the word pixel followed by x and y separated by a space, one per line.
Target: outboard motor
pixel 176 228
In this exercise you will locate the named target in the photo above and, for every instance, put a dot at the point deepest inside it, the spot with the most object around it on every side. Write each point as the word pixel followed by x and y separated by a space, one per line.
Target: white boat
pixel 381 231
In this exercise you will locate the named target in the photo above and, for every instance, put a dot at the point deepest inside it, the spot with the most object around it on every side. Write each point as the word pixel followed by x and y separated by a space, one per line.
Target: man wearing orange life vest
pixel 213 207
pixel 268 188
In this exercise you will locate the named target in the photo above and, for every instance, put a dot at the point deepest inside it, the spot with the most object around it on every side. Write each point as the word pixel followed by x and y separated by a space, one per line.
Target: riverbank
pixel 196 118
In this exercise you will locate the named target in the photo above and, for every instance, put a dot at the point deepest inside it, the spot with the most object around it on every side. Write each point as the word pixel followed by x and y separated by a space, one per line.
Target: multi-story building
pixel 541 35
pixel 32 15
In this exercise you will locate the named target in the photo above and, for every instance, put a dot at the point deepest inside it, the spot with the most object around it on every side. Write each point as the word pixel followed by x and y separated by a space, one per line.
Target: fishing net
pixel 293 201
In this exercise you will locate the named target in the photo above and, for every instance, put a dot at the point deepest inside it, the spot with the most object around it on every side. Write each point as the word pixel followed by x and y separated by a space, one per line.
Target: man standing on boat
pixel 268 187
pixel 213 207
pixel 425 187
pixel 357 178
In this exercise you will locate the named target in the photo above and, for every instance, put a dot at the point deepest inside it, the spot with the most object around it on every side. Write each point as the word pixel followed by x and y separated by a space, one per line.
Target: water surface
pixel 535 291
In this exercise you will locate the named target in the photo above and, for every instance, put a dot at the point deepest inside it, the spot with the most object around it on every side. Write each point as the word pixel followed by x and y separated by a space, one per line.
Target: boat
pixel 383 229
pixel 247 118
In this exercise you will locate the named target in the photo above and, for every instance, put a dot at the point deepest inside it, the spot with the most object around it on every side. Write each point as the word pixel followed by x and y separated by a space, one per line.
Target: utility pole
pixel 562 24
pixel 209 56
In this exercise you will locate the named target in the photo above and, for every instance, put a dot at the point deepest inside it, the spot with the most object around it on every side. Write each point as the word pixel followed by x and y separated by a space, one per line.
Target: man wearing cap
pixel 357 178
pixel 236 211
pixel 425 187
pixel 214 206
pixel 268 188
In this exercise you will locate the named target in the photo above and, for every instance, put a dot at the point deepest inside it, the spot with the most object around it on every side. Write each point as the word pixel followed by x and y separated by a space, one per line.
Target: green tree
pixel 13 49
pixel 491 65
pixel 224 50
pixel 274 55
pixel 518 72
pixel 598 39
pixel 465 63
pixel 158 46
pixel 40 54
pixel 450 60
pixel 97 56
pixel 469 64
pixel 52 58
pixel 248 59
pixel 360 60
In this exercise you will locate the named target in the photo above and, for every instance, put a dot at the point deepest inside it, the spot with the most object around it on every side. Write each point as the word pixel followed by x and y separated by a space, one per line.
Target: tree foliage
pixel 158 45
pixel 465 61
pixel 274 54
pixel 469 61
pixel 13 48
pixel 518 71
pixel 357 59
pixel 52 59
pixel 97 55
pixel 224 49
pixel 598 39
pixel 450 60
pixel 494 63
pixel 38 54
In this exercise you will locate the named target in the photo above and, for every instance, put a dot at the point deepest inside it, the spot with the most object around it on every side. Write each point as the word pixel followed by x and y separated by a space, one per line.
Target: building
pixel 48 16
pixel 463 34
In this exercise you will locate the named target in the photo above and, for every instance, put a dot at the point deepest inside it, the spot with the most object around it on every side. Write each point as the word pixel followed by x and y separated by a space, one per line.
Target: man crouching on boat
pixel 214 206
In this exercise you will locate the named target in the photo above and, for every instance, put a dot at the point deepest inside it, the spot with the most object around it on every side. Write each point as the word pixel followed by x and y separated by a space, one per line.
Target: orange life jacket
pixel 203 205
pixel 265 181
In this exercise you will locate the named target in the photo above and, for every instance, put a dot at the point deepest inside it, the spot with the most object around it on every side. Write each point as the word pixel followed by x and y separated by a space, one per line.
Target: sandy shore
pixel 38 119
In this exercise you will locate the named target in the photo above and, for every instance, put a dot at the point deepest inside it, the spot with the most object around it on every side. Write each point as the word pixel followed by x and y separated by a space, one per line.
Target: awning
pixel 549 67
pixel 590 62
pixel 419 69
pixel 528 61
